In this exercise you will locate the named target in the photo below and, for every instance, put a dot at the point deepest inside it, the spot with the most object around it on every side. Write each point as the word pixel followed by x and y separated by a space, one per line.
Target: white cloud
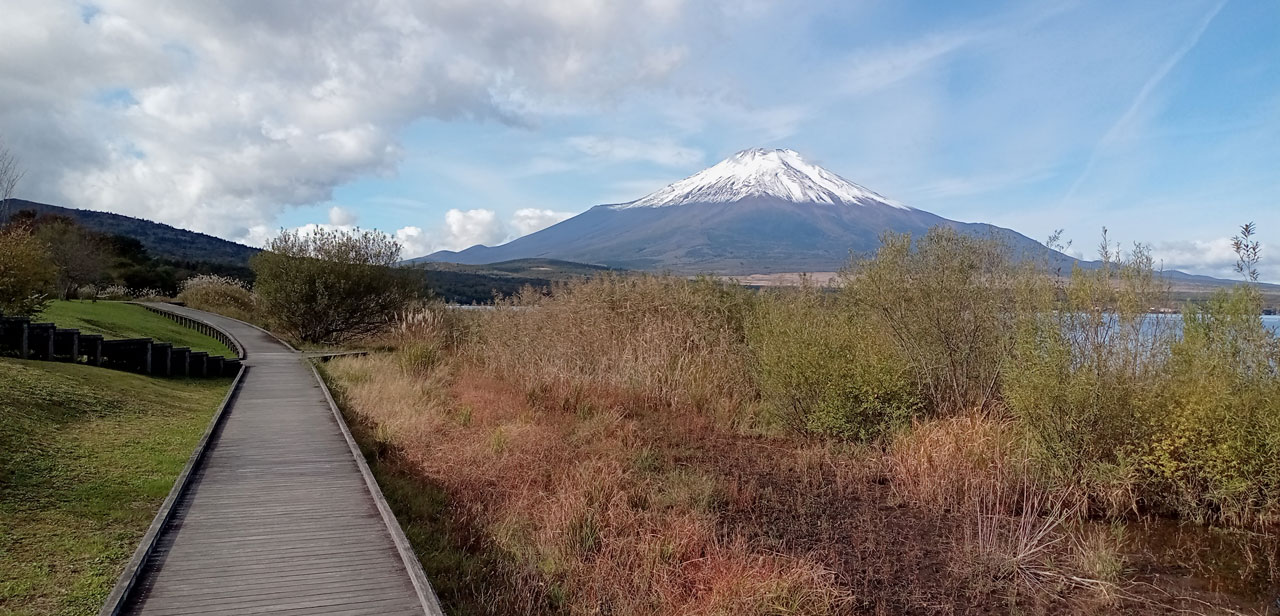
pixel 527 220
pixel 872 71
pixel 216 116
pixel 413 241
pixel 341 217
pixel 622 149
pixel 463 229
pixel 1213 257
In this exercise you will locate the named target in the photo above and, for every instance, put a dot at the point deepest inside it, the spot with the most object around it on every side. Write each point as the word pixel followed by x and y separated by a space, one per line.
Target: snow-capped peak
pixel 759 172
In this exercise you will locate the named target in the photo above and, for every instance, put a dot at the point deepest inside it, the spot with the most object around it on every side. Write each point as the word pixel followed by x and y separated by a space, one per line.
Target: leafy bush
pixel 947 301
pixel 332 286
pixel 1084 368
pixel 1215 449
pixel 27 274
pixel 823 370
pixel 219 294
pixel 1122 408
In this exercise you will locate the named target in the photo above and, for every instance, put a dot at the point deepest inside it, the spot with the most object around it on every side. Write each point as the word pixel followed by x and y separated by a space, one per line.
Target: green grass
pixel 121 320
pixel 86 457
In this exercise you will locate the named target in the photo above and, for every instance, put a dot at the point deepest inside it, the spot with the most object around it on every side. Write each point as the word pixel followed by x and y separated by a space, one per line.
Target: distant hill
pixel 547 269
pixel 160 240
pixel 759 212
pixel 479 284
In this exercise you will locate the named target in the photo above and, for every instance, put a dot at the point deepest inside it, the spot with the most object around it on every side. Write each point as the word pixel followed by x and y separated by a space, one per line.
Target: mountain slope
pixel 759 211
pixel 160 240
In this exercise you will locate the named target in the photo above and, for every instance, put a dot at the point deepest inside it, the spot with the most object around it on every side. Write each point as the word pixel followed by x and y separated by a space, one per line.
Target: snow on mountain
pixel 758 172
pixel 759 211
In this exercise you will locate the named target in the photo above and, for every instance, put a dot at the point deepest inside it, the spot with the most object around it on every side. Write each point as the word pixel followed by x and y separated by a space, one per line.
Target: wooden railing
pixel 202 327
pixel 45 341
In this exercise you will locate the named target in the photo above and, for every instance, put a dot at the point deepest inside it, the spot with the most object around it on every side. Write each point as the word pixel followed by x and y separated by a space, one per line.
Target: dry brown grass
pixel 956 463
pixel 657 340
pixel 601 447
pixel 1018 538
pixel 571 500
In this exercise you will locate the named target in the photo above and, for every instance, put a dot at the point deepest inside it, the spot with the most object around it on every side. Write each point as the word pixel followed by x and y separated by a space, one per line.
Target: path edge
pixel 129 577
pixel 426 594
pixel 163 307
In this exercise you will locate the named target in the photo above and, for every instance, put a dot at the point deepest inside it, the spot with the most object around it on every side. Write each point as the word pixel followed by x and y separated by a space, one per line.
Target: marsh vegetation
pixel 950 430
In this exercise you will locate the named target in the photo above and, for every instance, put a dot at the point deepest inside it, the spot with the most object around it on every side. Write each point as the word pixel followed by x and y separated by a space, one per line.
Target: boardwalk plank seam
pixel 270 516
pixel 129 577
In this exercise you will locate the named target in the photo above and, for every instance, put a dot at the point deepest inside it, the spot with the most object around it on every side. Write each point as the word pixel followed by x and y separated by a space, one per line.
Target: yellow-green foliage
pixel 1083 370
pixel 821 368
pixel 26 272
pixel 947 301
pixel 1216 444
pixel 1121 406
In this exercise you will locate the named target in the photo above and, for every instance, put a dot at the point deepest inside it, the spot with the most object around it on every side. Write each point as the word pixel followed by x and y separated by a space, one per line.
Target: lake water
pixel 1271 321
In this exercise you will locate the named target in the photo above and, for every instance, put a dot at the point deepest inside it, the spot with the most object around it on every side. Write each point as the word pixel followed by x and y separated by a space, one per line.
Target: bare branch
pixel 10 174
pixel 1248 252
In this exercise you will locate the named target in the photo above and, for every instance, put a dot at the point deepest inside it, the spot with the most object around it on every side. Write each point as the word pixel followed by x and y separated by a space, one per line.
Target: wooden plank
pixel 133 570
pixel 282 515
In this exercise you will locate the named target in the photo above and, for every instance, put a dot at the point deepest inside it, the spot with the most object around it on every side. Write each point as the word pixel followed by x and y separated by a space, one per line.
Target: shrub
pixel 823 370
pixel 1215 452
pixel 947 303
pixel 332 286
pixel 1084 369
pixel 1121 408
pixel 220 294
pixel 27 274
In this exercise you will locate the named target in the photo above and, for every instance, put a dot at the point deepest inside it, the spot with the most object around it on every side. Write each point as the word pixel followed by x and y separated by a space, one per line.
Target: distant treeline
pixel 161 240
pixel 87 257
pixel 468 288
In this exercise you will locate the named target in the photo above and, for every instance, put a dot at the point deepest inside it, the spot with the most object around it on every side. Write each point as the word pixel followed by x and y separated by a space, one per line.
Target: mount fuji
pixel 759 211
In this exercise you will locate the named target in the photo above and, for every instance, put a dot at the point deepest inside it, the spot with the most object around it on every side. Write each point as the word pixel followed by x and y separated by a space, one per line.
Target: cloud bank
pixel 218 116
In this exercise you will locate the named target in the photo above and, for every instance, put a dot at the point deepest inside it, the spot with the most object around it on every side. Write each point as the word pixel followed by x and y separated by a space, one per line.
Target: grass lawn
pixel 86 457
pixel 121 320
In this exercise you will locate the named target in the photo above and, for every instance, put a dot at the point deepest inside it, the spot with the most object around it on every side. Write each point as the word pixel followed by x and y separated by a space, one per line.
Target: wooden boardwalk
pixel 280 516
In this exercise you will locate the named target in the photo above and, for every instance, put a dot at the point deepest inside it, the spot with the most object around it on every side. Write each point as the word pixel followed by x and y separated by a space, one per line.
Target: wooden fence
pixel 202 327
pixel 45 341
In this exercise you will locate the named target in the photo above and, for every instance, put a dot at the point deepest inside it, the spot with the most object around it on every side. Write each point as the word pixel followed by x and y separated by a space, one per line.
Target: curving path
pixel 280 516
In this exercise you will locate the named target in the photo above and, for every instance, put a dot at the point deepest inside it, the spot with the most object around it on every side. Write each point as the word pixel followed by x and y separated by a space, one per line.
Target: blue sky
pixel 455 124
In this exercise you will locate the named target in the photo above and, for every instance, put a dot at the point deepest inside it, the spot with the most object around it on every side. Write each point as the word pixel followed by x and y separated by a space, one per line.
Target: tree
pixel 79 254
pixel 26 272
pixel 332 286
pixel 10 175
